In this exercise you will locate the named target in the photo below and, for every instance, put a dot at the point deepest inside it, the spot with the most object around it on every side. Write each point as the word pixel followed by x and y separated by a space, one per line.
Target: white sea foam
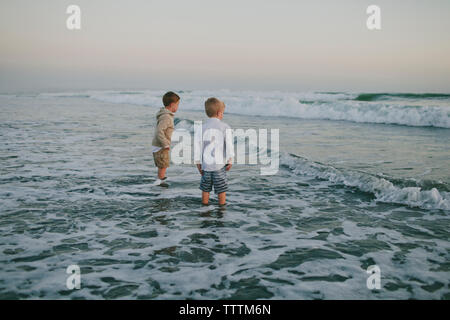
pixel 383 189
pixel 309 105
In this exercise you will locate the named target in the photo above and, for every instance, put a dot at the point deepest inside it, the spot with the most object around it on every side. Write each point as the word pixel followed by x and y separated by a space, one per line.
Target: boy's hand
pixel 199 167
pixel 228 167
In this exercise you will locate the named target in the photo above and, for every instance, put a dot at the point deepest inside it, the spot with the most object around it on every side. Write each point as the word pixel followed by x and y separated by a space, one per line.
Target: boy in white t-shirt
pixel 217 152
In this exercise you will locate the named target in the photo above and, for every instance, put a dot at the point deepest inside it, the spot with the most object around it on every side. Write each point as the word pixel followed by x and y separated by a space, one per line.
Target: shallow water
pixel 75 188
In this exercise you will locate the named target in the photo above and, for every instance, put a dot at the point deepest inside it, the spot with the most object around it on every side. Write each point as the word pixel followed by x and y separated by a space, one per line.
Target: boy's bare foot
pixel 161 182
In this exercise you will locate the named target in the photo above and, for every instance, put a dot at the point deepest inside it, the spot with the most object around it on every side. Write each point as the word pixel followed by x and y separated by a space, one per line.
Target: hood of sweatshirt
pixel 162 112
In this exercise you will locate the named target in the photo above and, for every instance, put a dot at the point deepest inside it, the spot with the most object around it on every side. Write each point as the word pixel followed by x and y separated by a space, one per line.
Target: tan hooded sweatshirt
pixel 164 128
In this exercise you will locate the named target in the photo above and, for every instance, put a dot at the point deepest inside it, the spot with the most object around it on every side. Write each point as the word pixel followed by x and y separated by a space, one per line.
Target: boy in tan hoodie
pixel 163 135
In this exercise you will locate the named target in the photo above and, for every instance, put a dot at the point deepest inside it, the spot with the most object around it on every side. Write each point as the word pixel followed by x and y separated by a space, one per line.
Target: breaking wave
pixel 387 96
pixel 409 109
pixel 383 189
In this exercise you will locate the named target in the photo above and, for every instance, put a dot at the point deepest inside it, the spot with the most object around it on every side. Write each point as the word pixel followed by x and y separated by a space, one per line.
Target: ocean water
pixel 364 179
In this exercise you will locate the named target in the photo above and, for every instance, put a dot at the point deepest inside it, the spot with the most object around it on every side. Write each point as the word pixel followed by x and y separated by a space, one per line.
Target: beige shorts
pixel 162 158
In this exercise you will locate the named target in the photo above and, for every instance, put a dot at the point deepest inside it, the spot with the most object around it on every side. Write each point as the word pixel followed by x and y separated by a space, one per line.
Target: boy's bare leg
pixel 222 198
pixel 161 173
pixel 205 197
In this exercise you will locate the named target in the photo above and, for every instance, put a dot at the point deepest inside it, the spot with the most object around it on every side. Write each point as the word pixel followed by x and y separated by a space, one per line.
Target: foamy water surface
pixel 363 180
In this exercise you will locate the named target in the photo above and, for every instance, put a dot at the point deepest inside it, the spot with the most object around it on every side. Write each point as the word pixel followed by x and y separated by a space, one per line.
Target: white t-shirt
pixel 217 137
pixel 155 149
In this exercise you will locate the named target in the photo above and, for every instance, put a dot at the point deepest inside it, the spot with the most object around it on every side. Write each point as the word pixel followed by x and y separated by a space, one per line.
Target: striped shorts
pixel 218 179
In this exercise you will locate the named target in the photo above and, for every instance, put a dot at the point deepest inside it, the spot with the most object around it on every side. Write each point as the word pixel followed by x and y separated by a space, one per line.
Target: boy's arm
pixel 168 133
pixel 199 167
pixel 229 147
pixel 164 127
pixel 229 164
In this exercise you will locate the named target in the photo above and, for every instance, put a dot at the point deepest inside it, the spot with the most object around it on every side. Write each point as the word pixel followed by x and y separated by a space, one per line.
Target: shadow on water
pixel 214 212
pixel 161 205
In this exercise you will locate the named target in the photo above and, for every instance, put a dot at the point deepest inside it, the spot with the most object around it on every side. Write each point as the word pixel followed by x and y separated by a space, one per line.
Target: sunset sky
pixel 260 45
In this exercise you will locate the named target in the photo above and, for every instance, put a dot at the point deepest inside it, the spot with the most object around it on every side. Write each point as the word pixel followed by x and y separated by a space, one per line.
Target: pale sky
pixel 290 45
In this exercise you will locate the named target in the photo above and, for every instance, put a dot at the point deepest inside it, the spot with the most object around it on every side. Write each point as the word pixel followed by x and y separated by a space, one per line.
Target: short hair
pixel 170 97
pixel 213 106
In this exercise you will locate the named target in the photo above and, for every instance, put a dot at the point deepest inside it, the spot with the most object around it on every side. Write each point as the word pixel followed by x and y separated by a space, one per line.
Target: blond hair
pixel 213 106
